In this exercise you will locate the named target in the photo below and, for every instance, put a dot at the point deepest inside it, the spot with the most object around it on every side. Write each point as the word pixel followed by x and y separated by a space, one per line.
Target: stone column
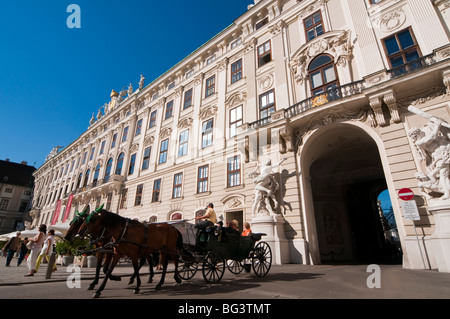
pixel 440 240
pixel 273 227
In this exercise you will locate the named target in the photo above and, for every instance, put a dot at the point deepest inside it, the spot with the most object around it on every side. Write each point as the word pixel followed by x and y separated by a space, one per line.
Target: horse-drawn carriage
pixel 180 242
pixel 218 248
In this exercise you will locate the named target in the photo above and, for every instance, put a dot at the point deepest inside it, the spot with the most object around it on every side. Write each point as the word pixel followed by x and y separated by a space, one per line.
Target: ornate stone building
pixel 328 90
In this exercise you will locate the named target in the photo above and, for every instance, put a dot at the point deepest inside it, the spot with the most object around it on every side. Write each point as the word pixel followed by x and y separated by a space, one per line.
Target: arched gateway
pixel 343 177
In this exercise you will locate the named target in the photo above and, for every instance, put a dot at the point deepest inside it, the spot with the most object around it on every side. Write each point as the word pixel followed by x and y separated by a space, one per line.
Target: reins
pixel 111 244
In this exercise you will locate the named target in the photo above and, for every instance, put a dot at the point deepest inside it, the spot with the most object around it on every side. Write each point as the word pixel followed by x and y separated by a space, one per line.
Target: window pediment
pixel 236 99
pixel 207 112
pixel 335 43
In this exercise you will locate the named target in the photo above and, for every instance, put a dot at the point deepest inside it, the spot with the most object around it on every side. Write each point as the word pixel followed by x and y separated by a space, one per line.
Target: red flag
pixel 57 210
pixel 68 207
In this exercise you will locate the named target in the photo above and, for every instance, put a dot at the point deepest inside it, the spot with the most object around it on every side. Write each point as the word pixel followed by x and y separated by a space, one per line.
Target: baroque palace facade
pixel 328 90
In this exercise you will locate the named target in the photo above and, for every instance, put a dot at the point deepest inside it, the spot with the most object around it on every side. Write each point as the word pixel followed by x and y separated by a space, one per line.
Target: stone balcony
pixel 433 68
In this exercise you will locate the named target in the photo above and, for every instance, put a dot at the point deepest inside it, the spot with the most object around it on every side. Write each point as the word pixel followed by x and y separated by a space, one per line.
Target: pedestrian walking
pixel 36 246
pixel 11 247
pixel 47 249
pixel 23 250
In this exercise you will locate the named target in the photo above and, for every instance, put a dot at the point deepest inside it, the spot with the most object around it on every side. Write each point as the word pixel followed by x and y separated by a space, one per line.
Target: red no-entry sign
pixel 406 194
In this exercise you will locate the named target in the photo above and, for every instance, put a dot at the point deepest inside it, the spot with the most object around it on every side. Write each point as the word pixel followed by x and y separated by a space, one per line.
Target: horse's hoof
pixel 91 287
pixel 150 280
pixel 96 295
pixel 178 280
pixel 130 282
pixel 136 291
pixel 158 287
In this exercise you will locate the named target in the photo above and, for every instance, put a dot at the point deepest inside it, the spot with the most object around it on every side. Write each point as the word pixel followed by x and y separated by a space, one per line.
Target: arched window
pixel 153 219
pixel 96 173
pixel 119 164
pixel 86 177
pixel 108 169
pixel 79 180
pixel 322 74
pixel 176 216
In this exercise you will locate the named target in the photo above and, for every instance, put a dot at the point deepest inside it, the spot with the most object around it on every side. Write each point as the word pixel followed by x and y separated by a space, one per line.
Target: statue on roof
pixel 53 152
pixel 141 82
pixel 92 120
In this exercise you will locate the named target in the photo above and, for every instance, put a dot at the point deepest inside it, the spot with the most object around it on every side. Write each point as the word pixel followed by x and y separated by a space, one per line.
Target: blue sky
pixel 385 200
pixel 53 78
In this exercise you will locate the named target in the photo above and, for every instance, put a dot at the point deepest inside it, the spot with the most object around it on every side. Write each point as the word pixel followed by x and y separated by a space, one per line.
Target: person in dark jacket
pixel 11 247
pixel 22 251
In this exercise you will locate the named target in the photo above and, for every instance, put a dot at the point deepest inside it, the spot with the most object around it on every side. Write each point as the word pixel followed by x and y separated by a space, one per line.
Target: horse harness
pixel 108 247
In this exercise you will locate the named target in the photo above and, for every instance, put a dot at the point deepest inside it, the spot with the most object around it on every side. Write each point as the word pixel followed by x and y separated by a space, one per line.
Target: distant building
pixel 325 85
pixel 16 191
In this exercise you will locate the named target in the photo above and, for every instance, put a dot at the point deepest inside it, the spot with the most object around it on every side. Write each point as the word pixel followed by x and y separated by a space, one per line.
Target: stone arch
pixel 346 156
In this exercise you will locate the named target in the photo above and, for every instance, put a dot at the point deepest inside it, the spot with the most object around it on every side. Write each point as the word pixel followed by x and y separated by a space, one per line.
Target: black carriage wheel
pixel 187 270
pixel 261 259
pixel 213 267
pixel 234 266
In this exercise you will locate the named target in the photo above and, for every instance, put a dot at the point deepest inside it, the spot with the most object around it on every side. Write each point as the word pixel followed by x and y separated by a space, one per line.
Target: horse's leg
pixel 97 271
pixel 164 262
pixel 176 275
pixel 113 263
pixel 141 263
pixel 150 268
pixel 136 266
pixel 108 258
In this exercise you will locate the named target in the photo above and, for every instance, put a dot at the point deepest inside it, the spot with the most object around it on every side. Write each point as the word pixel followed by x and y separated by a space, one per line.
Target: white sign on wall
pixel 410 210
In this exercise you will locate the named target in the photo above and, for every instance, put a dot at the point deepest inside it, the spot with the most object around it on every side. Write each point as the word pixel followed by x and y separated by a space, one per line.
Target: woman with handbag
pixel 36 246
pixel 46 250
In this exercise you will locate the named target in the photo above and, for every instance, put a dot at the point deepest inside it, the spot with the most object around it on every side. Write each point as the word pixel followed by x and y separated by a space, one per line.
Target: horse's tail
pixel 184 253
pixel 179 240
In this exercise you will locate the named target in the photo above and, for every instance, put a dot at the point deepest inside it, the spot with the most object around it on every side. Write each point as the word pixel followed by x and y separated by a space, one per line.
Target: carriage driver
pixel 207 220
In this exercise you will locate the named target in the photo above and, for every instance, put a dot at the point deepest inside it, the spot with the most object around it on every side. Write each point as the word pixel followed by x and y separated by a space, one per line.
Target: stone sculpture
pixel 141 82
pixel 432 143
pixel 265 189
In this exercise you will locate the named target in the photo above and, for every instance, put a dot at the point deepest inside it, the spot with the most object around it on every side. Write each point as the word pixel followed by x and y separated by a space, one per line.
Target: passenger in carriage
pixel 232 227
pixel 247 231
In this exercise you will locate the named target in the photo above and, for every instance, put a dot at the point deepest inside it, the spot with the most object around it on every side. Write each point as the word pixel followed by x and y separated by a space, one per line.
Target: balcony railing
pixel 412 66
pixel 261 122
pixel 331 95
pixel 98 182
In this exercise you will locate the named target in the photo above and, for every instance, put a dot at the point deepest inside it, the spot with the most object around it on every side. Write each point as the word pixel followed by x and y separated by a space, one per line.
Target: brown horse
pixel 101 254
pixel 134 239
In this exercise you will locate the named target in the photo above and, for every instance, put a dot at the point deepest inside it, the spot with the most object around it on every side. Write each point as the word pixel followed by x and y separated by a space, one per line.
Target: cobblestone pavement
pixel 290 281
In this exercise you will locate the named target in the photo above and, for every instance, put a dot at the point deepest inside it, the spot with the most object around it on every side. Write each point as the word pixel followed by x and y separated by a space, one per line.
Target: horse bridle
pixel 95 241
pixel 102 236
